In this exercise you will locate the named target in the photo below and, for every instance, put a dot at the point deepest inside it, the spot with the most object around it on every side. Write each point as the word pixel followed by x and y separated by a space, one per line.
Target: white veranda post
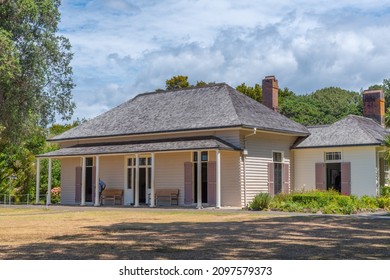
pixel 136 189
pixel 199 186
pixel 218 179
pixel 97 202
pixel 83 175
pixel 38 180
pixel 49 180
pixel 152 190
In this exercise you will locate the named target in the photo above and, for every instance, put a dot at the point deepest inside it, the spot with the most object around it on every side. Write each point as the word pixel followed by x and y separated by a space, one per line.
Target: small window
pixel 89 161
pixel 142 161
pixel 277 157
pixel 130 162
pixel 150 161
pixel 329 156
pixel 203 155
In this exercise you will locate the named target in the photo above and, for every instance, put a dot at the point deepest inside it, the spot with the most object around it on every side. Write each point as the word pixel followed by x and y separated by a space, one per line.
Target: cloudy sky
pixel 125 47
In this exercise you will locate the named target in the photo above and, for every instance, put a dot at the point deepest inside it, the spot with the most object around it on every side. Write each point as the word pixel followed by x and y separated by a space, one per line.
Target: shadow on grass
pixel 299 237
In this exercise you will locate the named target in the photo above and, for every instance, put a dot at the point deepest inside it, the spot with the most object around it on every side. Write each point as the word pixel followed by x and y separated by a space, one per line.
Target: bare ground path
pixel 129 233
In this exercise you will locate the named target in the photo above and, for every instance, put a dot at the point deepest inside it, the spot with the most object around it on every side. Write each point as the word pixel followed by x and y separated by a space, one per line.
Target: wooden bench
pixel 168 195
pixel 112 195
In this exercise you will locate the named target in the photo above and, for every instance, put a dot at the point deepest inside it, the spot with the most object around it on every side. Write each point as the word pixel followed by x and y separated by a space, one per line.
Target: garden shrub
pixel 384 202
pixel 385 191
pixel 328 202
pixel 368 203
pixel 346 204
pixel 260 202
pixel 56 195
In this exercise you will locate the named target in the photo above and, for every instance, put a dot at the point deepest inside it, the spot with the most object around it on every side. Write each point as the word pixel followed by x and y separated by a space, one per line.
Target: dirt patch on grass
pixel 76 233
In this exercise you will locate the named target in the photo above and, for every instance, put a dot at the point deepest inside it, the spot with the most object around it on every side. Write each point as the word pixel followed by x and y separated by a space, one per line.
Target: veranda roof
pixel 349 131
pixel 162 145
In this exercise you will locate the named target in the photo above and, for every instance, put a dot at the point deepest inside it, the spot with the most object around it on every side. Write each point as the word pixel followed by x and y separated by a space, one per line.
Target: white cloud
pixel 127 47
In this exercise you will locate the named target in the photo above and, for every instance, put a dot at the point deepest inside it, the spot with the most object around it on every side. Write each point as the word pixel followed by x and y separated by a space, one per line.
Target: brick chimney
pixel 374 105
pixel 270 92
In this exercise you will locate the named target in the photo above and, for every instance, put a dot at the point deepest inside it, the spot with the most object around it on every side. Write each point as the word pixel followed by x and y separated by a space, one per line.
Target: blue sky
pixel 125 47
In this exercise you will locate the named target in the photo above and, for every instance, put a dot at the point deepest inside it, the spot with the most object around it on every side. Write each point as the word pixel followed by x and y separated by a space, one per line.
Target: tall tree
pixel 38 81
pixel 35 85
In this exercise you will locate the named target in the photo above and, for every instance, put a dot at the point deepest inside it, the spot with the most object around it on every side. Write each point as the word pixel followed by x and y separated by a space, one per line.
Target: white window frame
pixel 333 153
pixel 280 152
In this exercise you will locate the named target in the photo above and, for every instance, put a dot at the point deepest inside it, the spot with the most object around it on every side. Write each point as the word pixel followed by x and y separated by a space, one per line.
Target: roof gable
pixel 209 107
pixel 349 131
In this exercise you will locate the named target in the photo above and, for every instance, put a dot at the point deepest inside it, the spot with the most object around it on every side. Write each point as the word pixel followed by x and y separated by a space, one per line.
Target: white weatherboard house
pixel 347 155
pixel 214 145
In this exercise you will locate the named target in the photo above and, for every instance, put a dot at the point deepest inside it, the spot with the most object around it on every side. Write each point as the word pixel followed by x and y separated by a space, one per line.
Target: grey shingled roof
pixel 349 131
pixel 209 107
pixel 176 144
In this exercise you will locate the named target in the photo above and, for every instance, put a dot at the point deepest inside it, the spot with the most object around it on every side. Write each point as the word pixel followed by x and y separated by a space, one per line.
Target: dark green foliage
pixel 329 202
pixel 41 81
pixel 324 106
pixel 301 109
pixel 35 86
pixel 255 92
pixel 260 202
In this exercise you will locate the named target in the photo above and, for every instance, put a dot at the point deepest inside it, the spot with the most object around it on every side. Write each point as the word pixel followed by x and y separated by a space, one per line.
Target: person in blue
pixel 102 186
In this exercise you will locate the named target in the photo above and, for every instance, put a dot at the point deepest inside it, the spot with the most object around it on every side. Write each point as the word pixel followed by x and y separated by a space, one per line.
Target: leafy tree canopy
pixel 254 92
pixel 36 77
pixel 35 85
pixel 177 82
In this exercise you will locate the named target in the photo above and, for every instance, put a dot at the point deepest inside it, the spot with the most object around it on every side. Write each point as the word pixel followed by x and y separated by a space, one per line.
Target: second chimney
pixel 270 92
pixel 374 105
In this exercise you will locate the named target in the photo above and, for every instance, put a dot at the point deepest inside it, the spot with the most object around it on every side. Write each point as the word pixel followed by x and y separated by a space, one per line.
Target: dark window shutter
pixel 286 178
pixel 211 182
pixel 346 178
pixel 271 172
pixel 78 185
pixel 320 176
pixel 93 183
pixel 188 183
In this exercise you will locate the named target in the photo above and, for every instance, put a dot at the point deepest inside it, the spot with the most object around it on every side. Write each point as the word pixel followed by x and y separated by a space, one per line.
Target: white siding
pixel 68 179
pixel 112 171
pixel 230 179
pixel 169 172
pixel 363 168
pixel 260 151
pixel 304 168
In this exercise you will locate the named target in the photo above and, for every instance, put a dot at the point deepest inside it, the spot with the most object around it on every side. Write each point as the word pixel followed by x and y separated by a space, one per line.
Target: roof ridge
pixel 179 89
pixel 318 126
pixel 231 102
pixel 368 131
